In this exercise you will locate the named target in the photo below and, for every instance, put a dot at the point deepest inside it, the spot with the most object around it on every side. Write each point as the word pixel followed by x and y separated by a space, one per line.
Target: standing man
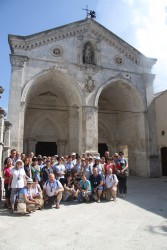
pixel 12 156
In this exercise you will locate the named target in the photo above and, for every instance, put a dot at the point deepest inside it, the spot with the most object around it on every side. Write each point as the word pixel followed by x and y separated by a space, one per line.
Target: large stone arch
pixel 122 108
pixel 55 97
pixel 53 71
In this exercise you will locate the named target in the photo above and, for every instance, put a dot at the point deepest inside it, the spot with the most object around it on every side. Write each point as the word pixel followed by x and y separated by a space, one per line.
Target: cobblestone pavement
pixel 138 222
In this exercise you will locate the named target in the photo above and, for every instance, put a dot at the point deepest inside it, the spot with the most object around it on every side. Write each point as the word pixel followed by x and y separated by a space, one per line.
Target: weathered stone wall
pixel 112 89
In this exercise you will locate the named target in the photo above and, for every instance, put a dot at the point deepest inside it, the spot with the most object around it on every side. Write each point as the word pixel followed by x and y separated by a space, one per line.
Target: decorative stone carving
pixel 57 51
pixel 57 66
pixel 18 61
pixel 90 84
pixel 118 60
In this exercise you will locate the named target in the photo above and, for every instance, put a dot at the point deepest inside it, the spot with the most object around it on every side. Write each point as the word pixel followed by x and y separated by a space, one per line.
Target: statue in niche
pixel 88 55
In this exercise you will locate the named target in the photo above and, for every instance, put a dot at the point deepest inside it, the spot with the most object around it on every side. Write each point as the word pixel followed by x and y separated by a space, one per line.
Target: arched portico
pixel 52 111
pixel 122 110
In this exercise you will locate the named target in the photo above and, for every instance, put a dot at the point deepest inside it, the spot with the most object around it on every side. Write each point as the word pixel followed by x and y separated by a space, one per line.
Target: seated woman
pixel 37 193
pixel 111 183
pixel 25 201
pixel 69 190
pixel 85 190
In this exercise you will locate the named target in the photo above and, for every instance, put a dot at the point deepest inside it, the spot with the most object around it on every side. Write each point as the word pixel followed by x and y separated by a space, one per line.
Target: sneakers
pixel 98 201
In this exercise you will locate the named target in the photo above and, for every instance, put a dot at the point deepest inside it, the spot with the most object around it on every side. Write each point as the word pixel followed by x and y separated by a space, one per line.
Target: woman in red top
pixel 6 175
pixel 109 164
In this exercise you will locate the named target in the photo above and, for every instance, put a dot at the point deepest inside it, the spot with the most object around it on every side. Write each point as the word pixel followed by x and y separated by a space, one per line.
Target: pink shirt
pixel 6 173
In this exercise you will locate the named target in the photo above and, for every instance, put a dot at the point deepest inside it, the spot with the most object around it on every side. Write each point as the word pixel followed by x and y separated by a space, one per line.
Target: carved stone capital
pixel 2 113
pixel 90 111
pixel 17 60
pixel 8 125
pixel 1 91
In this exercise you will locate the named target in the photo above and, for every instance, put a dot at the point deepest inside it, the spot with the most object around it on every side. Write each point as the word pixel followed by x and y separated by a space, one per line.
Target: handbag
pixel 21 207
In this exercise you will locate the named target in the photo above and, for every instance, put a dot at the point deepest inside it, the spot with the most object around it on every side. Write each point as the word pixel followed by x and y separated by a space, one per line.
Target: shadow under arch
pixel 41 123
pixel 123 107
pixel 108 131
pixel 112 82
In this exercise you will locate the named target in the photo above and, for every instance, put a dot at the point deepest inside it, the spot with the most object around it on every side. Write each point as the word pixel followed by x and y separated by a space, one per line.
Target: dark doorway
pixel 102 147
pixel 164 161
pixel 46 148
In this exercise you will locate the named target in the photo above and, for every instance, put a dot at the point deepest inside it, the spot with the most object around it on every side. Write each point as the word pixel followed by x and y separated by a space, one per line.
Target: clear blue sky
pixel 123 17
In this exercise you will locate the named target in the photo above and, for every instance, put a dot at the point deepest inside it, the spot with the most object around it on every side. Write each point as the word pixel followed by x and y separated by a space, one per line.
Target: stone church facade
pixel 81 88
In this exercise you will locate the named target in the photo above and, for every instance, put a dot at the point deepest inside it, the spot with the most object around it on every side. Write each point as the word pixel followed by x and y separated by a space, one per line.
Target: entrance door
pixel 164 161
pixel 102 147
pixel 46 148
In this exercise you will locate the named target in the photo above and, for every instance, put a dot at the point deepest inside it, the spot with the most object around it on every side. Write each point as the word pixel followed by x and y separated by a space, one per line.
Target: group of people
pixel 33 182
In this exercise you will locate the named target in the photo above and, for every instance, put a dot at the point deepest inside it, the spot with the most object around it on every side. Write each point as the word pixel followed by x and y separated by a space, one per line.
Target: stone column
pixel 2 115
pixel 90 129
pixel 151 129
pixel 73 129
pixel 7 135
pixel 15 108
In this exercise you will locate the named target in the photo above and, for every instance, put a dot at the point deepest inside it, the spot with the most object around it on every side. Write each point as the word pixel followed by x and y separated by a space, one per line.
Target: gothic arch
pixel 113 82
pixel 66 79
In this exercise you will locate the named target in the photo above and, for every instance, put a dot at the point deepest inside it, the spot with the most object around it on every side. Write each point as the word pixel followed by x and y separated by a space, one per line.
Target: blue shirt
pixel 84 185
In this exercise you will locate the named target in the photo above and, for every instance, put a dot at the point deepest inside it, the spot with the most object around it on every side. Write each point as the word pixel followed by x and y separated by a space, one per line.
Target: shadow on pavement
pixel 148 193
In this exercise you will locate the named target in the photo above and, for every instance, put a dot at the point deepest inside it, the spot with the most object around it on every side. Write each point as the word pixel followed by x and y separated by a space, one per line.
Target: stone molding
pixel 2 113
pixel 17 60
pixel 90 111
pixel 78 29
pixel 8 125
pixel 127 77
pixel 1 90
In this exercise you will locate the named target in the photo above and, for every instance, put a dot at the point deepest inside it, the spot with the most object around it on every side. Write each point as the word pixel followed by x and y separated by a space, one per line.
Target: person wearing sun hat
pixel 25 201
pixel 16 181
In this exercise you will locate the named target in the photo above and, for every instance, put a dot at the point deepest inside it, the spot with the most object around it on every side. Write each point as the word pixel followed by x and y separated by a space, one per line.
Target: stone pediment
pixel 87 28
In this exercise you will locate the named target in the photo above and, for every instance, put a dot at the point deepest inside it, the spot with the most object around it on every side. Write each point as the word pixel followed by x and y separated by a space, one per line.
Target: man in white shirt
pixel 59 170
pixel 111 183
pixel 52 191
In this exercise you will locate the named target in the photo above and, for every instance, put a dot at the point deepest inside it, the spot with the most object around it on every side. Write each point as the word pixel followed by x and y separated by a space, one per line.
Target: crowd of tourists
pixel 37 182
